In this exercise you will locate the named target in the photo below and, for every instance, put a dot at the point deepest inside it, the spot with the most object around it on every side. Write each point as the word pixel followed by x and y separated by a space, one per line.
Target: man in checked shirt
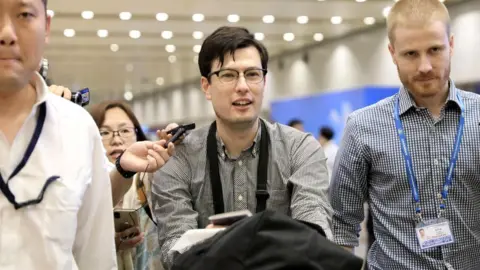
pixel 233 66
pixel 414 156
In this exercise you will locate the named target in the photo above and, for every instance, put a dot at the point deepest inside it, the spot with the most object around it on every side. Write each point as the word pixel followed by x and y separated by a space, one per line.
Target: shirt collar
pixel 254 149
pixel 40 87
pixel 407 102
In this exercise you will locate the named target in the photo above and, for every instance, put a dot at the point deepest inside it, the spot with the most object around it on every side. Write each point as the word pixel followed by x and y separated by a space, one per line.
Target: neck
pixel 15 106
pixel 237 138
pixel 15 102
pixel 435 103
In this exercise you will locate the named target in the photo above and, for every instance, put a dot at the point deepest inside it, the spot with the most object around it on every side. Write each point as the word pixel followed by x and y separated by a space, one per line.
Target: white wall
pixel 351 62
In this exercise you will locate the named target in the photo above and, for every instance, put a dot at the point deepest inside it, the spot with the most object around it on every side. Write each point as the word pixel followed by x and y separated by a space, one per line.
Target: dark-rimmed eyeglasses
pixel 252 76
pixel 125 133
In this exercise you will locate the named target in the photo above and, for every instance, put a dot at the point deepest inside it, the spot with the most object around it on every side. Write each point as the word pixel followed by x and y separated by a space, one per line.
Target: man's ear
pixel 47 28
pixel 206 88
pixel 451 41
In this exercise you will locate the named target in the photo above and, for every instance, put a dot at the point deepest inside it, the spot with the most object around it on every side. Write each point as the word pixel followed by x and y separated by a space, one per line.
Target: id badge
pixel 434 233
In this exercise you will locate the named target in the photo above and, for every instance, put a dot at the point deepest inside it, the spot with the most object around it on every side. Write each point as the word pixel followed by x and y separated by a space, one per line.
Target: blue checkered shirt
pixel 370 167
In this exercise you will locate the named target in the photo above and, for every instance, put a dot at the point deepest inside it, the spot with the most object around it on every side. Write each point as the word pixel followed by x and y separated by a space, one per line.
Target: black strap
pixel 4 188
pixel 149 212
pixel 262 170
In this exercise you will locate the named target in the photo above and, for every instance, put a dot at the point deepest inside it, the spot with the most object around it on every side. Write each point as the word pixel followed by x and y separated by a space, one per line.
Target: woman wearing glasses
pixel 119 129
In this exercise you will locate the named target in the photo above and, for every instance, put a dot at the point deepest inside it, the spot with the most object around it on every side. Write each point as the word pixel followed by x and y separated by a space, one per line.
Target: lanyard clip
pixel 418 213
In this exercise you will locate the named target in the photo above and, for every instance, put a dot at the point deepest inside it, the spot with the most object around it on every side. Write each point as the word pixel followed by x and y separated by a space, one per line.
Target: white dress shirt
pixel 72 228
pixel 330 149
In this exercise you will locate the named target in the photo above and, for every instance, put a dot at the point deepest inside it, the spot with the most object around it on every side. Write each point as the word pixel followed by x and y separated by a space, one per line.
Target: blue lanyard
pixel 408 159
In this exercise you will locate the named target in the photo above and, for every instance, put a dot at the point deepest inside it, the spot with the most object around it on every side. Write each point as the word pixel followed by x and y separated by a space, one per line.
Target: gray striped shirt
pixel 370 167
pixel 182 196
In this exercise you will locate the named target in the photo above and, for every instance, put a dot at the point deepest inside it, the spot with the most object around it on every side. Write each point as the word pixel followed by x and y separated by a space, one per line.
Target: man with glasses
pixel 240 161
pixel 55 195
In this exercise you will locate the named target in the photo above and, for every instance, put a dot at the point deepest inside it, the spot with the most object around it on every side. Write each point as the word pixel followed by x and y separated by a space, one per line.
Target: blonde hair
pixel 416 12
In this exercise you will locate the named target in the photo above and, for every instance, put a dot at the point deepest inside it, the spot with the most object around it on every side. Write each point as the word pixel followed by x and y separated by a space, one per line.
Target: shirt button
pixel 240 163
pixel 439 195
pixel 240 198
pixel 222 155
pixel 435 161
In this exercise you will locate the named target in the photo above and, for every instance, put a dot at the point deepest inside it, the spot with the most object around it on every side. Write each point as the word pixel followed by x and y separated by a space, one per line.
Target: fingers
pixel 129 232
pixel 132 242
pixel 129 238
pixel 171 149
pixel 212 226
pixel 61 91
pixel 171 126
pixel 158 156
pixel 162 135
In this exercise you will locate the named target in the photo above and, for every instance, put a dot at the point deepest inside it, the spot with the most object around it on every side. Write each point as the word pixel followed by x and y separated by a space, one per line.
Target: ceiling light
pixel 128 96
pixel 135 34
pixel 172 59
pixel 386 11
pixel 360 1
pixel 102 33
pixel 259 36
pixel 170 48
pixel 197 35
pixel 441 1
pixel 160 81
pixel 167 34
pixel 114 47
pixel 195 59
pixel 302 19
pixel 369 20
pixel 125 16
pixel 288 36
pixel 87 15
pixel 50 13
pixel 318 37
pixel 268 19
pixel 69 32
pixel 233 18
pixel 198 17
pixel 161 17
pixel 197 48
pixel 336 20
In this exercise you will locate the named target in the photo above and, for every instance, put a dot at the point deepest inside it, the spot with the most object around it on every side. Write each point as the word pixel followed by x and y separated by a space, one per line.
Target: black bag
pixel 268 241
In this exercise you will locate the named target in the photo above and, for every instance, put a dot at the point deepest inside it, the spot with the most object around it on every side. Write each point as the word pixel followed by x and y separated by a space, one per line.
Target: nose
pixel 425 64
pixel 116 140
pixel 7 33
pixel 242 85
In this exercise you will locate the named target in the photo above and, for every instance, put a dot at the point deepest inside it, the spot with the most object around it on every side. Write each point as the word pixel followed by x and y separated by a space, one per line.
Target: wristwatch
pixel 125 174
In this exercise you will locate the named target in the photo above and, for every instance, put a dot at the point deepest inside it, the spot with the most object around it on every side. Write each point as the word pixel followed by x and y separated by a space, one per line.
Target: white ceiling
pixel 86 60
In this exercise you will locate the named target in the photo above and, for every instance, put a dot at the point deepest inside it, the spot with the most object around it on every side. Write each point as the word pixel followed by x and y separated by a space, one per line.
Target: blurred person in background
pixel 414 156
pixel 217 168
pixel 54 182
pixel 325 137
pixel 296 124
pixel 119 128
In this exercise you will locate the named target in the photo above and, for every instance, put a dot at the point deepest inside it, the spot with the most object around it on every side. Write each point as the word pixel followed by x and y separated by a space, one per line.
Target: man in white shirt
pixel 329 146
pixel 55 191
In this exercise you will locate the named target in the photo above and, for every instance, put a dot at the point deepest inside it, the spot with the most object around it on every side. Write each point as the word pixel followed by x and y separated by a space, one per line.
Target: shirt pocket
pixel 59 210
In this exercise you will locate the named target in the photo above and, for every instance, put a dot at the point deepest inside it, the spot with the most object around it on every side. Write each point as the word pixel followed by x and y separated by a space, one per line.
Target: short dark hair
pixel 327 133
pixel 99 111
pixel 295 122
pixel 226 40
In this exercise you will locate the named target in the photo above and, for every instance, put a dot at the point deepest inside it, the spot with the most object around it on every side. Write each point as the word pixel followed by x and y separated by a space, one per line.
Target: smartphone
pixel 126 218
pixel 227 219
pixel 178 132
